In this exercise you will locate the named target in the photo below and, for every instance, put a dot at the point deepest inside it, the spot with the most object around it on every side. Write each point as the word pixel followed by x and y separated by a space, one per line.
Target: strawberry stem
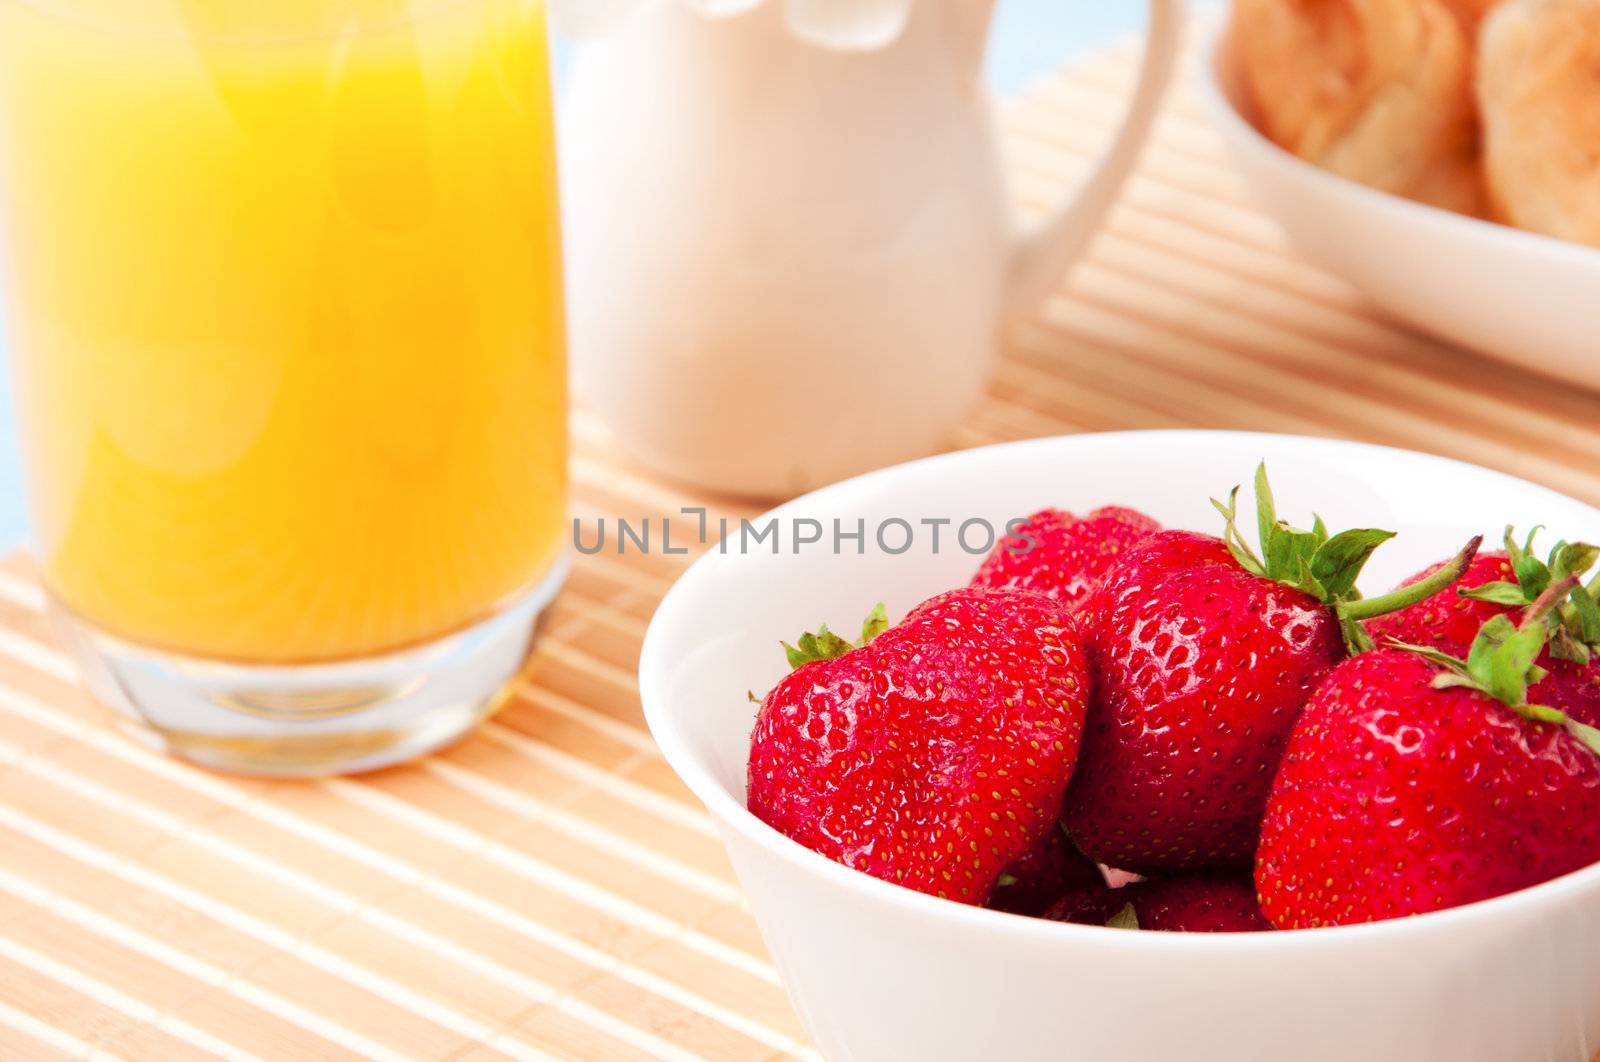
pixel 1421 590
pixel 1551 599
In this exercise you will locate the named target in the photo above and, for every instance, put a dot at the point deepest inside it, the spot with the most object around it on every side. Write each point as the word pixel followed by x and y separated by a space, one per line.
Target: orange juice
pixel 285 308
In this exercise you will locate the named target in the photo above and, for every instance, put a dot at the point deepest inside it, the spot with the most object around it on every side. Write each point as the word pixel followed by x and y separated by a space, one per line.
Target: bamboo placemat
pixel 547 889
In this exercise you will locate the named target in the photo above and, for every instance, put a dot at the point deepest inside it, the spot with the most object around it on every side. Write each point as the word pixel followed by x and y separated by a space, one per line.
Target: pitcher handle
pixel 1046 251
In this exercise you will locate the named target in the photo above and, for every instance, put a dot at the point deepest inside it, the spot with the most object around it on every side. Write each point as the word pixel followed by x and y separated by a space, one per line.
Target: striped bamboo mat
pixel 547 889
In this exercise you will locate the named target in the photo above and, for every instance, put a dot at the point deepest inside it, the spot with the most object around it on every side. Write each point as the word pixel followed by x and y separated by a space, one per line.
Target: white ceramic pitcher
pixel 791 249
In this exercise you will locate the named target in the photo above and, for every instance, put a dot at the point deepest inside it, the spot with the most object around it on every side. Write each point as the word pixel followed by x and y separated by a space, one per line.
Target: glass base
pixel 290 721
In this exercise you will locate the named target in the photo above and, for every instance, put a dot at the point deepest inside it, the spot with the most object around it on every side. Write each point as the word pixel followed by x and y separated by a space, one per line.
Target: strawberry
pixel 1062 555
pixel 1046 872
pixel 1088 905
pixel 1506 583
pixel 934 753
pixel 1416 781
pixel 1449 620
pixel 1196 904
pixel 1204 654
pixel 1193 904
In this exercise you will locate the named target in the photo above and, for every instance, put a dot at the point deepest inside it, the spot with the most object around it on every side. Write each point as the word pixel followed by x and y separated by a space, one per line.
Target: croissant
pixel 1379 91
pixel 1539 92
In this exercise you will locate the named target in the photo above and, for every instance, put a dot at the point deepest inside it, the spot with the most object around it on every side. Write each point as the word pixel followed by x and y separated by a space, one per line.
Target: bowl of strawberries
pixel 1125 762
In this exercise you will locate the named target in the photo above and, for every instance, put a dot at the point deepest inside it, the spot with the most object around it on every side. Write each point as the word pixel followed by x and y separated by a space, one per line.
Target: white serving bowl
pixel 879 973
pixel 1517 296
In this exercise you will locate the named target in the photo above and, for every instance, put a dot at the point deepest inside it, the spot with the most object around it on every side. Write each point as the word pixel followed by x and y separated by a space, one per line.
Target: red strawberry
pixel 1505 583
pixel 1204 654
pixel 1413 784
pixel 1063 555
pixel 1087 905
pixel 1196 904
pixel 1046 872
pixel 1447 621
pixel 936 753
pixel 1199 904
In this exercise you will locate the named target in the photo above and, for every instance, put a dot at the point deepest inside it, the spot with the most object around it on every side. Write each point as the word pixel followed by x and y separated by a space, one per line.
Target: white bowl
pixel 879 973
pixel 1518 296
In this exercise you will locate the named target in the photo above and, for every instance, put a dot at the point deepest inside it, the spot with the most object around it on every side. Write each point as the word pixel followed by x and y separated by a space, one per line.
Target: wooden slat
pixel 548 889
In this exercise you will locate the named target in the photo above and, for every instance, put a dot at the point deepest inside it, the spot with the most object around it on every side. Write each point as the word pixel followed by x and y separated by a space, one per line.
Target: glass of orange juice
pixel 283 291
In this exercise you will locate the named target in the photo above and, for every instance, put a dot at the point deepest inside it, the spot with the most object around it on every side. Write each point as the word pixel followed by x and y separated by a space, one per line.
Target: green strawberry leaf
pixel 1587 613
pixel 1323 566
pixel 1449 679
pixel 1338 562
pixel 1501 662
pixel 1235 541
pixel 1564 645
pixel 1288 554
pixel 876 623
pixel 826 645
pixel 1491 636
pixel 1575 623
pixel 1127 918
pixel 1509 594
pixel 823 645
pixel 1586 734
pixel 1517 552
pixel 799 656
pixel 1545 714
pixel 1572 558
pixel 1502 659
pixel 1266 509
pixel 1453 665
pixel 1532 574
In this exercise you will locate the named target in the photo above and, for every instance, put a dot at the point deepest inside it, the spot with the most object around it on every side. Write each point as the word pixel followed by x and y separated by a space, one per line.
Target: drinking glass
pixel 283 292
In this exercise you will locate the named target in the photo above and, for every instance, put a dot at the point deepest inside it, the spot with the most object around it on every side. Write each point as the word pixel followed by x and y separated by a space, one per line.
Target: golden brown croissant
pixel 1377 90
pixel 1539 91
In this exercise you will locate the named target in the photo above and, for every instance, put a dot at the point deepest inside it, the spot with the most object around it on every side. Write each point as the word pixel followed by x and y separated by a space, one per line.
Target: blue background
pixel 1031 37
